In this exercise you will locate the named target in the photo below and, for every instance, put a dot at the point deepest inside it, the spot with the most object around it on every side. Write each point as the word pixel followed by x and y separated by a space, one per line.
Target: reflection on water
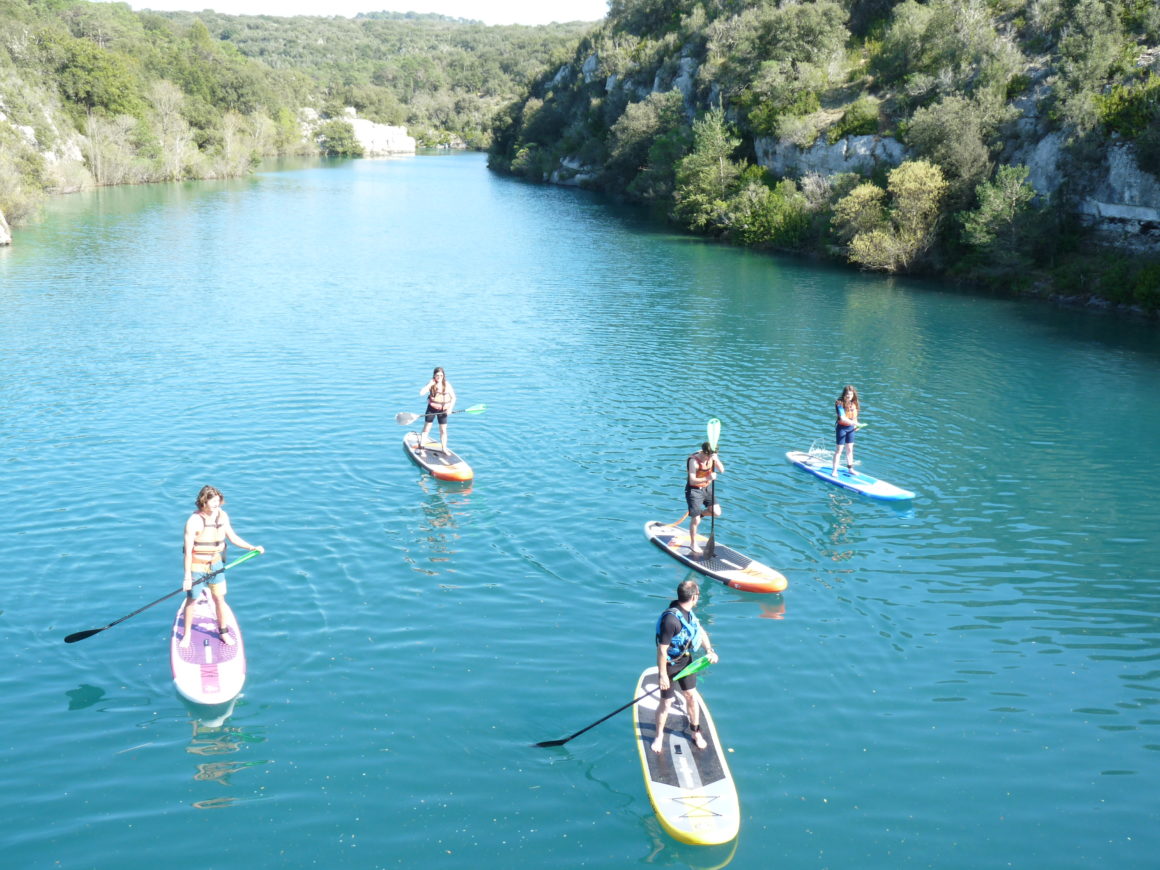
pixel 442 506
pixel 667 852
pixel 213 736
pixel 84 696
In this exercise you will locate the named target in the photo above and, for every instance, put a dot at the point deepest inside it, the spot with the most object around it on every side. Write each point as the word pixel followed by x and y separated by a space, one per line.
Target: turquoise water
pixel 970 682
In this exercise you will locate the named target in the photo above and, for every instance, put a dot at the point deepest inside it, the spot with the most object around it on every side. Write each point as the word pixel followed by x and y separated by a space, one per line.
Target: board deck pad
pixel 209 670
pixel 856 481
pixel 691 790
pixel 726 565
pixel 444 466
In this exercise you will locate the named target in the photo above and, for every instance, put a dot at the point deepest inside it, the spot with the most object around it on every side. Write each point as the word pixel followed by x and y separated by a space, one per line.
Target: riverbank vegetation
pixel 95 93
pixel 1010 142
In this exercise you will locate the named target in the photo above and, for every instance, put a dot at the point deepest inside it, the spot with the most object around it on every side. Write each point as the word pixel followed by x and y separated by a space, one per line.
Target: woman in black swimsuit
pixel 440 402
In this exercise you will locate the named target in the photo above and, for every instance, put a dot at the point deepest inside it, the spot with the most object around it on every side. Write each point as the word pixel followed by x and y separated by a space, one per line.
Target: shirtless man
pixel 702 469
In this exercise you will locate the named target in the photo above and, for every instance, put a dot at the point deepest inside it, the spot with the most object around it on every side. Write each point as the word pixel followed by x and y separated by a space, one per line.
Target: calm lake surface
pixel 972 682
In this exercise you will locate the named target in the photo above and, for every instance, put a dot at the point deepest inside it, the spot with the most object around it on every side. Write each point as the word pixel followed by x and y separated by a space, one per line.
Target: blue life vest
pixel 684 641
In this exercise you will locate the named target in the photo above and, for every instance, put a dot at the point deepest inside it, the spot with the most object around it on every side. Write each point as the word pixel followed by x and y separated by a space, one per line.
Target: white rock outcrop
pixel 572 173
pixel 589 69
pixel 861 154
pixel 5 233
pixel 1124 202
pixel 380 140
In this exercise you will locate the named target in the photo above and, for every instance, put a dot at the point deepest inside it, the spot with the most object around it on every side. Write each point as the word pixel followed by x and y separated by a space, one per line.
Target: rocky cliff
pixel 1032 128
pixel 380 140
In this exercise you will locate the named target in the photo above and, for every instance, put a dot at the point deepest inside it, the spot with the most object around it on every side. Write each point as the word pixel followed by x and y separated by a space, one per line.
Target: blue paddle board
pixel 853 480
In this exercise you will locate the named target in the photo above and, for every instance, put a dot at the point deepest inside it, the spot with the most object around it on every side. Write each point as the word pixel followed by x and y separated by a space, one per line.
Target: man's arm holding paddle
pixel 663 658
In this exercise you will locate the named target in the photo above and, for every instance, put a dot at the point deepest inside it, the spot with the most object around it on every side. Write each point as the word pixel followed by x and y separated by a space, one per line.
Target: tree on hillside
pixel 890 231
pixel 336 138
pixel 95 78
pixel 998 228
pixel 706 176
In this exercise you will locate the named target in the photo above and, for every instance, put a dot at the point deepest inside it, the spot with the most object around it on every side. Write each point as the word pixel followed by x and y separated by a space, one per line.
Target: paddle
pixel 714 432
pixel 81 635
pixel 405 419
pixel 692 668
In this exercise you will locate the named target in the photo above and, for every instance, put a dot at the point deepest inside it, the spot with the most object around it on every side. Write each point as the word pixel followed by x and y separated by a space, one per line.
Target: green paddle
pixel 81 635
pixel 692 668
pixel 713 430
pixel 405 419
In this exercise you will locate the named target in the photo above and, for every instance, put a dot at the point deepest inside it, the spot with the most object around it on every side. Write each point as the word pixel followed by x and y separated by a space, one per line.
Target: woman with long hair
pixel 846 409
pixel 440 402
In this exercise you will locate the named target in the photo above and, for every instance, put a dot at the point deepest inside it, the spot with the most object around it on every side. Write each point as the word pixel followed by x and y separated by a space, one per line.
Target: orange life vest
pixel 209 542
pixel 702 472
pixel 438 401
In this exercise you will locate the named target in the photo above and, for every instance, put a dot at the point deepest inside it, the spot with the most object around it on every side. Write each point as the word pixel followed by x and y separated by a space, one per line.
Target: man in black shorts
pixel 678 635
pixel 701 470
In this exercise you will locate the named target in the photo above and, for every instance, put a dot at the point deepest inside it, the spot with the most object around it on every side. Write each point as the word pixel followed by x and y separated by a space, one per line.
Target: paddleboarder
pixel 440 402
pixel 206 532
pixel 678 635
pixel 846 408
pixel 701 469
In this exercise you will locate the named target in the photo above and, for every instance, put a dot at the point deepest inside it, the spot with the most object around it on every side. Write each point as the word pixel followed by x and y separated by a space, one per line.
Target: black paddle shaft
pixel 598 721
pixel 81 635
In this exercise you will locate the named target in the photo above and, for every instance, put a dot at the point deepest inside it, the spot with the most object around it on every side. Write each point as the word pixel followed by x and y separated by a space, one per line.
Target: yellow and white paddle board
pixel 691 789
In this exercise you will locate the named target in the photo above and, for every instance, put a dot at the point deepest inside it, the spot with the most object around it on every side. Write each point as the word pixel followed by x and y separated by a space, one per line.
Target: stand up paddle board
pixel 691 789
pixel 854 480
pixel 726 565
pixel 444 466
pixel 209 670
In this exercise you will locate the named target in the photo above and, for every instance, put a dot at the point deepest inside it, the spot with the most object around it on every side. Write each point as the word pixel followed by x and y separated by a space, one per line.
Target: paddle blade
pixel 475 409
pixel 693 667
pixel 405 419
pixel 713 430
pixel 81 635
pixel 551 743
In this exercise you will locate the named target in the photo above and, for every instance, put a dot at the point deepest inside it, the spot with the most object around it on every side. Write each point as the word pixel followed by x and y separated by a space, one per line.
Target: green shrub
pixel 336 138
pixel 1018 84
pixel 859 119
pixel 1146 286
pixel 1130 109
pixel 1148 149
pixel 764 217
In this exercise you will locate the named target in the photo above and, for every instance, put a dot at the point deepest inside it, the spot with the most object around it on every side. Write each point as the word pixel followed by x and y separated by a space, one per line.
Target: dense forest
pixel 94 93
pixel 1010 142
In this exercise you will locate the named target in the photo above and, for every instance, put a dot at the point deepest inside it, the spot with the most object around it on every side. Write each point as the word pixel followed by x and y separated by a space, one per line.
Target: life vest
pixel 209 542
pixel 687 639
pixel 438 401
pixel 840 412
pixel 703 471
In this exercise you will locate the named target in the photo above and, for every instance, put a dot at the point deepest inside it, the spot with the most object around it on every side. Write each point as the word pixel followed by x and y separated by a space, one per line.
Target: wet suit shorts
pixel 698 500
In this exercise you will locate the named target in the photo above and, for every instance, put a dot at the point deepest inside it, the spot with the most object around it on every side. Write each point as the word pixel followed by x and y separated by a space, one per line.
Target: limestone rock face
pixel 5 233
pixel 572 173
pixel 860 154
pixel 380 140
pixel 1123 202
pixel 683 78
pixel 589 69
